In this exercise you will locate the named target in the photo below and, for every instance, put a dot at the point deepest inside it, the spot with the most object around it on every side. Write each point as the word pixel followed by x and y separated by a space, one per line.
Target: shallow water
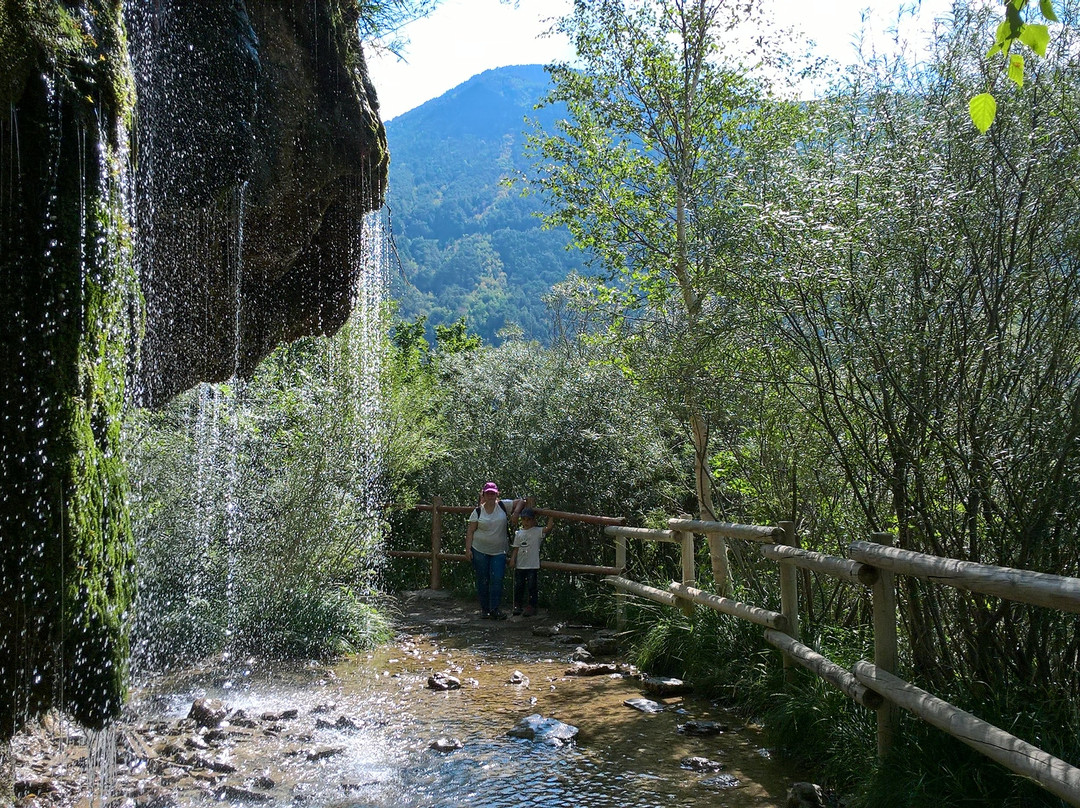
pixel 363 729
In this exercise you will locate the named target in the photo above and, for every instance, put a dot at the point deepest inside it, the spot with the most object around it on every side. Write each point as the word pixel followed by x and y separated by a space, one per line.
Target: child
pixel 525 560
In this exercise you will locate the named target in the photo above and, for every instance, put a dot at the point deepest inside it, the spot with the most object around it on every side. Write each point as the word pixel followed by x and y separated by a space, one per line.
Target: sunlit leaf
pixel 1036 37
pixel 1047 9
pixel 1016 69
pixel 983 110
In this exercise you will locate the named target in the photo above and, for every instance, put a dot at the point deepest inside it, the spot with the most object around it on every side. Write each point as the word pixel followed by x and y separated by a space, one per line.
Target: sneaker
pixel 529 611
pixel 497 615
pixel 517 611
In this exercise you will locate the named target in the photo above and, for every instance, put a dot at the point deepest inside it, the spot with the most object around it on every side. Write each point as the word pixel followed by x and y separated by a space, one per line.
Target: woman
pixel 485 546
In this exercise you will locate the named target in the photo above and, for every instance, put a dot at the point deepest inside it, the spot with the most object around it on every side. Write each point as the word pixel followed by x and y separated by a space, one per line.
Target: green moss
pixel 66 293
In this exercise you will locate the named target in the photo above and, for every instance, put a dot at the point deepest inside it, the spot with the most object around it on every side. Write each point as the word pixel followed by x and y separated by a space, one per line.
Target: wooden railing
pixel 873 564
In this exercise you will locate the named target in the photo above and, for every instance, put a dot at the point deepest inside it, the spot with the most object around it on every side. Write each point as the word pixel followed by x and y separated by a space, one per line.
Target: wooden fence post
pixel 885 654
pixel 685 538
pixel 620 595
pixel 436 542
pixel 789 597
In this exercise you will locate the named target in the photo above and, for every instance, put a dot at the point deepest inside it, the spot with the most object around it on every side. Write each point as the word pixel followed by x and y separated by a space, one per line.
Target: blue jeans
pixel 526 585
pixel 489 571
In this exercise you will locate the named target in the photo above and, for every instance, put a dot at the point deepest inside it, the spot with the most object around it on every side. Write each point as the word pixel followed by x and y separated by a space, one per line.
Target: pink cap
pixel 490 488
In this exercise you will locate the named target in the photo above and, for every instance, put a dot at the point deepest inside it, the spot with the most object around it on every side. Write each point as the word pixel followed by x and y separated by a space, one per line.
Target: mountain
pixel 468 244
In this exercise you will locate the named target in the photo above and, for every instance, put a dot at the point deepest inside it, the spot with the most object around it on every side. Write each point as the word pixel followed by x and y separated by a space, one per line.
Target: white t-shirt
pixel 490 534
pixel 527 540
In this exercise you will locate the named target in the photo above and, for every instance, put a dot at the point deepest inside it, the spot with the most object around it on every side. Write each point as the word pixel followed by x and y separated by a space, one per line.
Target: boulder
pixel 544 730
pixel 664 686
pixel 446 745
pixel 207 712
pixel 443 681
pixel 700 764
pixel 592 669
pixel 645 705
pixel 702 729
pixel 805 795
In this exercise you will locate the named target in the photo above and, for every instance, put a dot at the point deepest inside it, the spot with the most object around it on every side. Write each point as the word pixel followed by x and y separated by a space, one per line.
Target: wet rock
pixel 443 681
pixel 581 654
pixel 245 723
pixel 196 742
pixel 722 781
pixel 519 678
pixel 238 794
pixel 346 724
pixel 545 730
pixel 603 644
pixel 569 639
pixel 547 631
pixel 324 707
pixel 207 712
pixel 592 669
pixel 645 705
pixel 702 729
pixel 446 745
pixel 664 686
pixel 700 764
pixel 264 781
pixel 805 795
pixel 324 752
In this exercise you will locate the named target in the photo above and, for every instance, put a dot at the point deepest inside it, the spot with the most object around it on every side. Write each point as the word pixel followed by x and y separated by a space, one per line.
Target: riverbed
pixel 370 731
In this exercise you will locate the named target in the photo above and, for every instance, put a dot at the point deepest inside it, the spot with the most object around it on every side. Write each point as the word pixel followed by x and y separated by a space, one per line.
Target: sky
pixel 466 37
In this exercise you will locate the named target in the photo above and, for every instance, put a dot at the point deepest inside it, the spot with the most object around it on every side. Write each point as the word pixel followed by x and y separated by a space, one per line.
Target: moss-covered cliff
pixel 267 166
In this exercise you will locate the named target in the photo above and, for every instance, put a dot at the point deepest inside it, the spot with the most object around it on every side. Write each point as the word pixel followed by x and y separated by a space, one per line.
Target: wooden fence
pixel 873 564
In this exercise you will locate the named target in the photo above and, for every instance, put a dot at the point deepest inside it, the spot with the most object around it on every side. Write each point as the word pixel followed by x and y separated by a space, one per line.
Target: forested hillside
pixel 469 245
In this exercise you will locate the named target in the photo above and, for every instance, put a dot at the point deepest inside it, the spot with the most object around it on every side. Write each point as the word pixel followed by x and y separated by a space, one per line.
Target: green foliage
pixel 469 246
pixel 1012 30
pixel 259 507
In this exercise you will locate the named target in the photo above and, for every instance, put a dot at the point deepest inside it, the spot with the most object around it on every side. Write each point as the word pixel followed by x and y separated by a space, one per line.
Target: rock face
pixel 257 149
pixel 251 190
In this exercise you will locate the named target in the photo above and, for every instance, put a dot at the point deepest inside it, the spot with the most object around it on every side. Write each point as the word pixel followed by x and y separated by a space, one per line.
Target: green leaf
pixel 983 110
pixel 1036 37
pixel 1004 33
pixel 1047 9
pixel 993 50
pixel 1019 4
pixel 1016 69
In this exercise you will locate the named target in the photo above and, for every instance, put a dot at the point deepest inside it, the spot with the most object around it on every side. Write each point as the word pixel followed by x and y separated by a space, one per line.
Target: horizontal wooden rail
pixel 729 530
pixel 843 568
pixel 409 553
pixel 588 569
pixel 585 518
pixel 824 667
pixel 744 611
pixel 1053 774
pixel 1022 586
pixel 642 590
pixel 643 533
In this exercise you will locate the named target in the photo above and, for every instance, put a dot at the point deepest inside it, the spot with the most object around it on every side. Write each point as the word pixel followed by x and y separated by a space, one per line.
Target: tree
pixel 648 171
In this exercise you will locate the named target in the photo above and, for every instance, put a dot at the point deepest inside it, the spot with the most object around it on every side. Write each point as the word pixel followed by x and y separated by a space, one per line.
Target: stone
pixel 581 654
pixel 645 705
pixel 207 712
pixel 446 745
pixel 443 681
pixel 603 645
pixel 238 794
pixel 805 795
pixel 700 764
pixel 544 730
pixel 519 678
pixel 722 781
pixel 592 669
pixel 569 639
pixel 702 729
pixel 323 752
pixel 664 686
pixel 547 631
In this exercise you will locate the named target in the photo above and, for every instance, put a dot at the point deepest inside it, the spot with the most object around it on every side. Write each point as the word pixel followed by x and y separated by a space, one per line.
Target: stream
pixel 361 733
